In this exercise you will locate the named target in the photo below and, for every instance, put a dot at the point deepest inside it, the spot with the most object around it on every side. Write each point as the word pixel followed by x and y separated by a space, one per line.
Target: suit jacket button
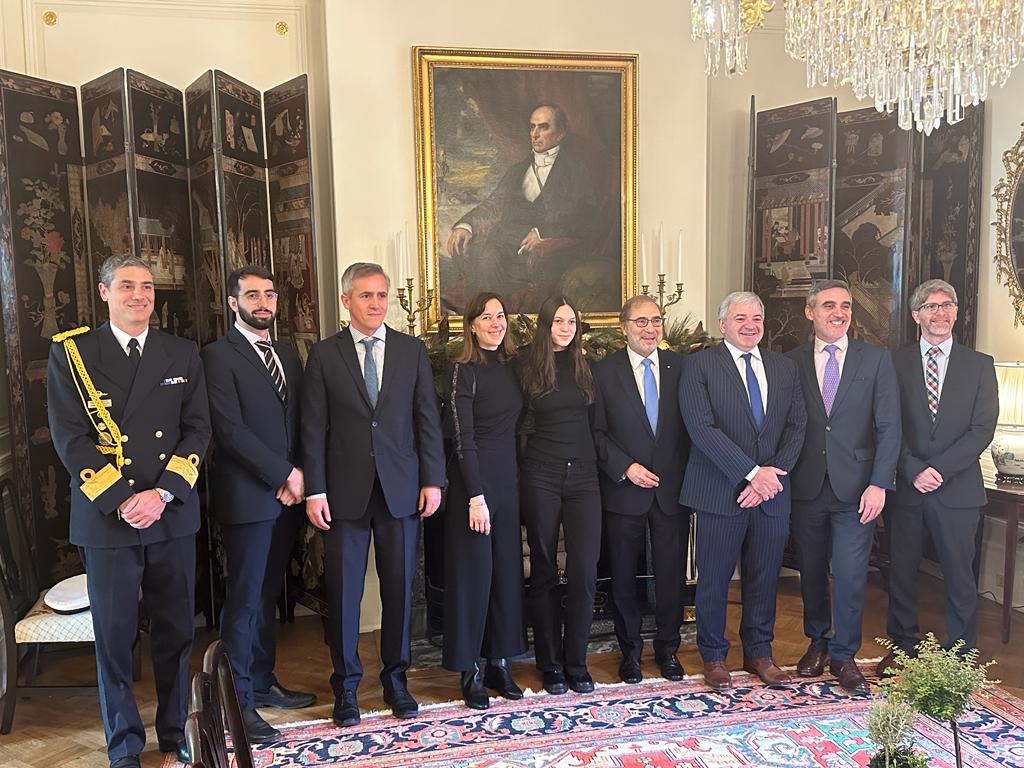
pixel 373 423
pixel 158 433
pixel 823 453
pixel 371 454
pixel 828 429
pixel 163 456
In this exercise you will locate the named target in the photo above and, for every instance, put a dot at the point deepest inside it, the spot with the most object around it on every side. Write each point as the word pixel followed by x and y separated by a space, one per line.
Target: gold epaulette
pixel 60 337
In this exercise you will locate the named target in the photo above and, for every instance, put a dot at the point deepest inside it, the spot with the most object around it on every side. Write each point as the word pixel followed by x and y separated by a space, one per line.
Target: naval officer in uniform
pixel 129 419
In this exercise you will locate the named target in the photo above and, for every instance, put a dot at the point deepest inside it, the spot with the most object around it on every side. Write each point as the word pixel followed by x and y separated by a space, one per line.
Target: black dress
pixel 483 602
pixel 560 489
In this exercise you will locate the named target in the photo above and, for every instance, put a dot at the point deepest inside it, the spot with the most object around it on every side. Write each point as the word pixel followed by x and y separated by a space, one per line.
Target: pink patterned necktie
pixel 931 380
pixel 830 379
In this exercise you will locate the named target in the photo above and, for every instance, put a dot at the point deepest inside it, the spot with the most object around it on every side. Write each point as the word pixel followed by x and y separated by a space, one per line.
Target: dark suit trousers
pixel 952 531
pixel 626 538
pixel 257 554
pixel 567 495
pixel 826 528
pixel 757 541
pixel 346 550
pixel 165 571
pixel 483 584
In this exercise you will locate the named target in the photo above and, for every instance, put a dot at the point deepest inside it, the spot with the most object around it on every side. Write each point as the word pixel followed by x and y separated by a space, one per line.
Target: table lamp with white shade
pixel 1008 445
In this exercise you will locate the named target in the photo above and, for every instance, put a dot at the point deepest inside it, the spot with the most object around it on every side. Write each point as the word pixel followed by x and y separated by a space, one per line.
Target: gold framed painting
pixel 526 178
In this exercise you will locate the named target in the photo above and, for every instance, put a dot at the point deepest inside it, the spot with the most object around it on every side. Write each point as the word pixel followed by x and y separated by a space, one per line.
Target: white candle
pixel 643 260
pixel 679 259
pixel 661 249
pixel 405 246
pixel 399 253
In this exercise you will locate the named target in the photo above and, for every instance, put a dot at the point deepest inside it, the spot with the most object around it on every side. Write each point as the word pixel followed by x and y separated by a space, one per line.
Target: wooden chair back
pixel 218 667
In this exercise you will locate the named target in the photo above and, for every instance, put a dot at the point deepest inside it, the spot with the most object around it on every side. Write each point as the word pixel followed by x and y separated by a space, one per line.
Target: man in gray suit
pixel 949 418
pixel 848 461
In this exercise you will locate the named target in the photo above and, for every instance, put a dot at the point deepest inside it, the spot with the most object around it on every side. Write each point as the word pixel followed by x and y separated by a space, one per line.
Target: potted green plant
pixel 891 724
pixel 938 682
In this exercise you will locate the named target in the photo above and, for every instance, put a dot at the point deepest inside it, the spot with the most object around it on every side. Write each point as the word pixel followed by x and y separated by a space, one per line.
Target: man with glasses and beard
pixel 254 386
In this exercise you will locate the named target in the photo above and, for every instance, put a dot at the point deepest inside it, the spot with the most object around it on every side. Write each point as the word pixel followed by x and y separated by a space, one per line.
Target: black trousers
pixel 346 550
pixel 566 495
pixel 257 555
pixel 483 581
pixel 952 531
pixel 626 539
pixel 826 529
pixel 165 571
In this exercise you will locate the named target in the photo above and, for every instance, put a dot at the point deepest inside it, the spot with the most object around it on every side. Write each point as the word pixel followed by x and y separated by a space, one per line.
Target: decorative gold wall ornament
pixel 1010 266
pixel 50 18
pixel 281 28
pixel 752 14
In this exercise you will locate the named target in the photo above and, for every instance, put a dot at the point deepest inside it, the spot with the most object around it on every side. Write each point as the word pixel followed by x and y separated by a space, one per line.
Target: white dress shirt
pixel 252 338
pixel 378 351
pixel 758 365
pixel 536 175
pixel 821 357
pixel 123 337
pixel 941 360
pixel 637 364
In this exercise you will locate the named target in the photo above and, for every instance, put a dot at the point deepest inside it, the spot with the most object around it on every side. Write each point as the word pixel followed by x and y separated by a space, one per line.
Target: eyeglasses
pixel 641 322
pixel 255 295
pixel 946 306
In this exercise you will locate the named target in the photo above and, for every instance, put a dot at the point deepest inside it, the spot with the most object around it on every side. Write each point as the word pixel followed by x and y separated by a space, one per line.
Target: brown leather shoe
pixel 717 676
pixel 888 666
pixel 812 663
pixel 849 676
pixel 766 669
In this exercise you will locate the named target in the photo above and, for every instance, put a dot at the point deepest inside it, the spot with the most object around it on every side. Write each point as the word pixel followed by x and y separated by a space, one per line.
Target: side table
pixel 1006 502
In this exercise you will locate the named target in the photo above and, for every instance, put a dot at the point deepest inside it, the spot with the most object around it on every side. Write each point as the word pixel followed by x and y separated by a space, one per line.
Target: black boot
pixel 498 677
pixel 473 691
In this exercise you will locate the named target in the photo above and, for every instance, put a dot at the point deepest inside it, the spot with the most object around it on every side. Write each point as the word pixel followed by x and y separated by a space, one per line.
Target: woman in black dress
pixel 483 611
pixel 559 487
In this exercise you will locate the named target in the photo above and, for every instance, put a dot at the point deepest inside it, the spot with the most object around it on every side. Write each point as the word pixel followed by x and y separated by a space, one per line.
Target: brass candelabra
pixel 662 301
pixel 413 306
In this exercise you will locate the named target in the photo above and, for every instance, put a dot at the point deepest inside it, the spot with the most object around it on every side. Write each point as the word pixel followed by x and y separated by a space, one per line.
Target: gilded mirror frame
pixel 1010 266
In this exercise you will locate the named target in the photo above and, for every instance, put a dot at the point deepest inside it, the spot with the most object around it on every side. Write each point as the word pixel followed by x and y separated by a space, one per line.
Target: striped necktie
pixel 931 380
pixel 275 371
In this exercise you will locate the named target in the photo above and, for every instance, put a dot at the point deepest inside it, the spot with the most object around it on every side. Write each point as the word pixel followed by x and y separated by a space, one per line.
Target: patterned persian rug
pixel 658 724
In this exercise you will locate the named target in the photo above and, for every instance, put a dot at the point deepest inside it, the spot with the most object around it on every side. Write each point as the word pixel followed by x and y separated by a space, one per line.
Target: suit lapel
pixel 771 371
pixel 624 369
pixel 347 350
pixel 245 349
pixel 810 379
pixel 152 367
pixel 854 358
pixel 669 384
pixel 920 399
pixel 390 365
pixel 732 374
pixel 953 381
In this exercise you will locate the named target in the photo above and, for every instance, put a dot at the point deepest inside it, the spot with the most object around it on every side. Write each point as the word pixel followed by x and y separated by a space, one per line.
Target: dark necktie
pixel 754 391
pixel 370 370
pixel 267 348
pixel 134 355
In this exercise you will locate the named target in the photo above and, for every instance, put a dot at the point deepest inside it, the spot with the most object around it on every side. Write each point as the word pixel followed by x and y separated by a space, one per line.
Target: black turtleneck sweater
pixel 561 420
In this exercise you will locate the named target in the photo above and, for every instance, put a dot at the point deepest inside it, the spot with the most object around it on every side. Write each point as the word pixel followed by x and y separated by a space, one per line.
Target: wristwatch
pixel 165 496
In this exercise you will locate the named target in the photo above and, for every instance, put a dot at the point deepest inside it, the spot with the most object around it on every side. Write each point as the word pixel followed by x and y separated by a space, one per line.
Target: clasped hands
pixel 928 480
pixel 764 485
pixel 142 509
pixel 293 489
pixel 319 511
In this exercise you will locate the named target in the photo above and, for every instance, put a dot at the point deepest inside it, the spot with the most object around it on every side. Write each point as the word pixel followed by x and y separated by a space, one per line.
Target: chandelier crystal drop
pixel 925 59
pixel 724 25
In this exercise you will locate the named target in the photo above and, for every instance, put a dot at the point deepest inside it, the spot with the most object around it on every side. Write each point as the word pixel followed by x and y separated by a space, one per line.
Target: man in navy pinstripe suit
pixel 744 410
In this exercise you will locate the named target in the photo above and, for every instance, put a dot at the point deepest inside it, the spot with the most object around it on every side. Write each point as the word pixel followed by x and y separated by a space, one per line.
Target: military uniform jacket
pixel 163 421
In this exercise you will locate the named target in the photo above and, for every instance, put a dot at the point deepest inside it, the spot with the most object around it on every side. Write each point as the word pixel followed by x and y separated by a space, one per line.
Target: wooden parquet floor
pixel 65 731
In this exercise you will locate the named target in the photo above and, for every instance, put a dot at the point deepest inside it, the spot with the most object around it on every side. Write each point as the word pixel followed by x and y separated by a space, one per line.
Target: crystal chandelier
pixel 925 59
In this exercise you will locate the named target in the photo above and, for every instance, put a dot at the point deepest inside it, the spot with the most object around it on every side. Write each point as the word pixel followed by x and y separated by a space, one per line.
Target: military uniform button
pixel 158 433
pixel 131 482
pixel 124 438
pixel 163 456
pixel 127 462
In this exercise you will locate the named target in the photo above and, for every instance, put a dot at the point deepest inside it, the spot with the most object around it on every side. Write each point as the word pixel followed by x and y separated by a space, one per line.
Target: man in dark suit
pixel 373 456
pixel 522 238
pixel 851 447
pixel 255 386
pixel 129 419
pixel 744 410
pixel 949 418
pixel 642 447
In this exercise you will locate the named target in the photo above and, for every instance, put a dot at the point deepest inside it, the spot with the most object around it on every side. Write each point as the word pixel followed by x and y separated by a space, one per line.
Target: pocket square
pixel 174 380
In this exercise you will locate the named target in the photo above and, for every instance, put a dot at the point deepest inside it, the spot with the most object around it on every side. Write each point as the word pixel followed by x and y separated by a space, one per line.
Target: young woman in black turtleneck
pixel 483 613
pixel 559 487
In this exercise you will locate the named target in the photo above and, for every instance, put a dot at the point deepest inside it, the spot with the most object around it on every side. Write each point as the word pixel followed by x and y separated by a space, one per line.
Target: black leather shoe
pixel 812 663
pixel 498 677
pixel 581 683
pixel 554 682
pixel 473 691
pixel 629 671
pixel 175 746
pixel 671 669
pixel 258 730
pixel 403 705
pixel 280 697
pixel 346 710
pixel 849 676
pixel 129 761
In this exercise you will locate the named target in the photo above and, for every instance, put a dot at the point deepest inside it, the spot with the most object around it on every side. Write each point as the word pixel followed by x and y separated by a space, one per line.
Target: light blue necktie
pixel 650 394
pixel 830 379
pixel 754 391
pixel 370 370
